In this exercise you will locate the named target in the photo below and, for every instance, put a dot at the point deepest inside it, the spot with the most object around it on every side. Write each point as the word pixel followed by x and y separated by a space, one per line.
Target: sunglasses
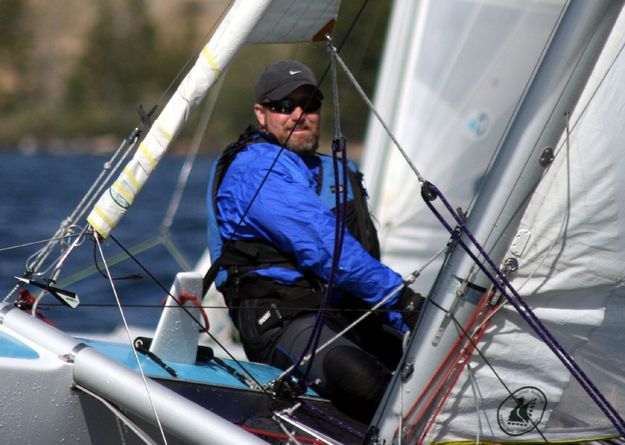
pixel 286 106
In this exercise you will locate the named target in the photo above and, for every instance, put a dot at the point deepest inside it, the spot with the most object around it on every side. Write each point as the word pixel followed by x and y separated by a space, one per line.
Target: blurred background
pixel 72 73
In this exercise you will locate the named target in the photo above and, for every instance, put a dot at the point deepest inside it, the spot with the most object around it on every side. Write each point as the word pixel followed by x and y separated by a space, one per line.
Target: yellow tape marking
pixel 165 132
pixel 131 178
pixel 104 217
pixel 211 61
pixel 97 227
pixel 126 194
pixel 146 152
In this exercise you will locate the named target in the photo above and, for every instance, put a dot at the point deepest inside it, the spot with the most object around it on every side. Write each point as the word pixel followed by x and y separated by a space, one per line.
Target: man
pixel 271 223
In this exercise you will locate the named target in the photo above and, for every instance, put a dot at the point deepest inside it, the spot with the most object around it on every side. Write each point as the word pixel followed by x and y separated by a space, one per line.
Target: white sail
pixel 574 260
pixel 515 390
pixel 247 21
pixel 452 77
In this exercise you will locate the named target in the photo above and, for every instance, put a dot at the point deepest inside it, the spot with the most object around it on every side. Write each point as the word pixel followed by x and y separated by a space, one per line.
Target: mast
pixel 557 85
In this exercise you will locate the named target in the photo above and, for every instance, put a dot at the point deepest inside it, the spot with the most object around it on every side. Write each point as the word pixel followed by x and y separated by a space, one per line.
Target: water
pixel 39 191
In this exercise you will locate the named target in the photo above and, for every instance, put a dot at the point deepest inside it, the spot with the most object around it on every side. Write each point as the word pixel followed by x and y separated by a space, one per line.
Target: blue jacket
pixel 290 214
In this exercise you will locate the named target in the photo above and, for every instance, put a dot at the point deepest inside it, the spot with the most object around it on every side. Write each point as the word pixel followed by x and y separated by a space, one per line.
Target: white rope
pixel 121 311
pixel 36 260
pixel 292 438
pixel 409 280
pixel 285 416
pixel 344 331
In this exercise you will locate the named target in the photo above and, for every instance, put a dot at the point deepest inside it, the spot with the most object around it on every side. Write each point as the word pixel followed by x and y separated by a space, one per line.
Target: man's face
pixel 297 130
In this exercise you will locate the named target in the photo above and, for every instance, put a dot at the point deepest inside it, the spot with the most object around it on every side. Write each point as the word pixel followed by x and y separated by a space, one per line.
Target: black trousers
pixel 276 326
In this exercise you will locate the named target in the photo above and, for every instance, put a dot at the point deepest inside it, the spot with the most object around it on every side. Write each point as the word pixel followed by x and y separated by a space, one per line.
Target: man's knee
pixel 354 380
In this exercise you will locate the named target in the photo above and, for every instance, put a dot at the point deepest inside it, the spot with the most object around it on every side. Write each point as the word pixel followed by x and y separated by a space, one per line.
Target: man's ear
pixel 259 111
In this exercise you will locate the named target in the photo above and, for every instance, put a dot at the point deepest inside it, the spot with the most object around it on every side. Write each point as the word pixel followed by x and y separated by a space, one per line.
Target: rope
pixel 338 147
pixel 36 260
pixel 376 308
pixel 340 334
pixel 372 108
pixel 501 283
pixel 254 384
pixel 121 312
pixel 33 243
pixel 120 415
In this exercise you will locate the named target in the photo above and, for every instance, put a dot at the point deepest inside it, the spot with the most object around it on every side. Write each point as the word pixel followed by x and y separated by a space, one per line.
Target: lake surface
pixel 39 191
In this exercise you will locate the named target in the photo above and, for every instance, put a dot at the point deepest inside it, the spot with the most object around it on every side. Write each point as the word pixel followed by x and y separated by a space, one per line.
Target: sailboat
pixel 519 341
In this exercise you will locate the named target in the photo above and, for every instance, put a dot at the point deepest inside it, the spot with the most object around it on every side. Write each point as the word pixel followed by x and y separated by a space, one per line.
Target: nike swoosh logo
pixel 292 72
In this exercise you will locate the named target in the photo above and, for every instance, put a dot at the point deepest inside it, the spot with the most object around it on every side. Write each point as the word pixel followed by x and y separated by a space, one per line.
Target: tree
pixel 114 73
pixel 14 46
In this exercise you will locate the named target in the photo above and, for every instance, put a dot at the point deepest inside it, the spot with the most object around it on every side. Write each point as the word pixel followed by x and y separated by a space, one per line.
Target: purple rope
pixel 338 146
pixel 429 193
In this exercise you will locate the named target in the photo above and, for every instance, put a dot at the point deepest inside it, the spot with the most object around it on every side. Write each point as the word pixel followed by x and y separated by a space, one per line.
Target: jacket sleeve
pixel 289 213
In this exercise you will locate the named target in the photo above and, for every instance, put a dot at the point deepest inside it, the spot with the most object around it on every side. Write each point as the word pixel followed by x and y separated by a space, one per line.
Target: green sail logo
pixel 522 411
pixel 118 199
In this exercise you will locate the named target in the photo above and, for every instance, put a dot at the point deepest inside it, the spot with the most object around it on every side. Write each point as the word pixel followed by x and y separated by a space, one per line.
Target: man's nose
pixel 297 112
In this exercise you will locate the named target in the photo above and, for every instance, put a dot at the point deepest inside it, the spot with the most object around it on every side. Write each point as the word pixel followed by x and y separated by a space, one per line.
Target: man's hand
pixel 409 305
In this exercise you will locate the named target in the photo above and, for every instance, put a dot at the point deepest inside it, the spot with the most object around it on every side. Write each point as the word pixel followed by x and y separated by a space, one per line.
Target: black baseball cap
pixel 279 79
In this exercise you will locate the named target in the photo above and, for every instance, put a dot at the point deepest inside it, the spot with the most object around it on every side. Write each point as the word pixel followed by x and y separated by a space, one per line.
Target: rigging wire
pixel 376 308
pixel 525 311
pixel 381 120
pixel 120 416
pixel 34 243
pixel 121 312
pixel 223 307
pixel 122 152
pixel 305 359
pixel 195 319
pixel 477 331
